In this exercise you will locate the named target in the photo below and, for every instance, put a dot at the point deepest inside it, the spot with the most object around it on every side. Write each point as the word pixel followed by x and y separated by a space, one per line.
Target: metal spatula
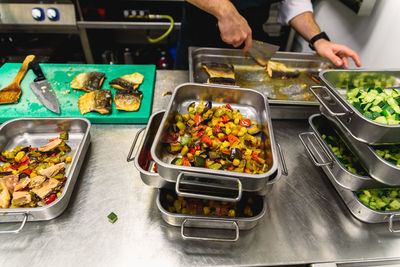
pixel 262 52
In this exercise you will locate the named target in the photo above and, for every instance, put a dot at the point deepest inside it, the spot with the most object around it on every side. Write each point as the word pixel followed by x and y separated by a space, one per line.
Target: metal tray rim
pixel 209 171
pixel 73 164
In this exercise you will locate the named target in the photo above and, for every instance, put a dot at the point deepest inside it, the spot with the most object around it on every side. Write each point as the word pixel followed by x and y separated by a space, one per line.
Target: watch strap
pixel 321 35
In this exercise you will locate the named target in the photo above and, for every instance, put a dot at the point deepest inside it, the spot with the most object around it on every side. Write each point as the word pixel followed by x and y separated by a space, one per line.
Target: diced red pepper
pixel 231 168
pixel 197 147
pixel 206 140
pixel 192 150
pixel 14 166
pixel 27 171
pixel 232 139
pixel 155 168
pixel 216 139
pixel 169 138
pixel 225 118
pixel 224 138
pixel 198 119
pixel 186 162
pixel 217 128
pixel 254 155
pixel 24 160
pixel 229 107
pixel 50 199
pixel 245 122
pixel 200 133
pixel 3 159
pixel 218 160
pixel 32 148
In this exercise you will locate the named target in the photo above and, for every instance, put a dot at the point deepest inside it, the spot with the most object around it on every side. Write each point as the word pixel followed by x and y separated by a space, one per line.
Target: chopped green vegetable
pixel 112 217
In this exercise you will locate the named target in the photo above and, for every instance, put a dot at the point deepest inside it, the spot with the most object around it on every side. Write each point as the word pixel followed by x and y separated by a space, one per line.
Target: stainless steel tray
pixel 336 107
pixel 378 168
pixel 317 148
pixel 211 222
pixel 252 105
pixel 37 132
pixel 143 161
pixel 288 99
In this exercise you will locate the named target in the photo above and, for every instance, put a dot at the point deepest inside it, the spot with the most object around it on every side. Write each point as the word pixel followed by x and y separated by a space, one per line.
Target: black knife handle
pixel 37 70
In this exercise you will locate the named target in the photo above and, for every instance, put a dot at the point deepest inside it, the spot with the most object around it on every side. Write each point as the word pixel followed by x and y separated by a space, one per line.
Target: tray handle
pixel 391 228
pixel 302 137
pixel 188 237
pixel 16 231
pixel 325 105
pixel 282 161
pixel 210 197
pixel 129 158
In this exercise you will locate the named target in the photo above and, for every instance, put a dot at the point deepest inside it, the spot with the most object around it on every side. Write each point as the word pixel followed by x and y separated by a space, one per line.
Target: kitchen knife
pixel 262 52
pixel 42 89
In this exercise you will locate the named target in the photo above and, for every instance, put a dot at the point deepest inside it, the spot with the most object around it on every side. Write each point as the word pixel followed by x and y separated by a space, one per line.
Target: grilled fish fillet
pixel 219 73
pixel 88 81
pixel 280 70
pixel 128 82
pixel 99 101
pixel 128 100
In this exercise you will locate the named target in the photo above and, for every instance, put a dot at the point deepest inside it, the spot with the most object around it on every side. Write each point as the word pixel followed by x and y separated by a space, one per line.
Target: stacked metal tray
pixel 288 98
pixel 37 132
pixel 195 182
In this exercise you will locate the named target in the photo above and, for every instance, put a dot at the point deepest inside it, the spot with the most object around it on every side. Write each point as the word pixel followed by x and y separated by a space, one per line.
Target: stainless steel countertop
pixel 306 221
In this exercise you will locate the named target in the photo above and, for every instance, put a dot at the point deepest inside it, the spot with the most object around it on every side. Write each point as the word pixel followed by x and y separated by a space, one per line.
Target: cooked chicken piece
pixel 37 181
pixel 52 170
pixel 21 198
pixel 47 188
pixel 88 81
pixel 22 184
pixel 9 182
pixel 50 146
pixel 128 82
pixel 4 198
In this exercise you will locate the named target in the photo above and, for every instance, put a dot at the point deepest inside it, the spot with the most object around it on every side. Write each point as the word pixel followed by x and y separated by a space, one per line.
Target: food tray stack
pixel 363 136
pixel 202 183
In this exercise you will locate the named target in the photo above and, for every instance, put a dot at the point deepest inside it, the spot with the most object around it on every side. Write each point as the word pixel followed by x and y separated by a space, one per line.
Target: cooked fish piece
pixel 128 82
pixel 99 101
pixel 47 188
pixel 128 100
pixel 4 198
pixel 9 182
pixel 22 184
pixel 219 73
pixel 280 70
pixel 21 198
pixel 52 170
pixel 88 81
pixel 37 181
pixel 52 145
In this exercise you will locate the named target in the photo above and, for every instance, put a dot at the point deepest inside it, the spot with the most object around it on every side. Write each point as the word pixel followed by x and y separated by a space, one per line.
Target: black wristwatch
pixel 321 35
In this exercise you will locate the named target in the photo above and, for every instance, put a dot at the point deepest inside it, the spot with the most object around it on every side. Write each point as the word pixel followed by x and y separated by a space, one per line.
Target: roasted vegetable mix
pixel 218 138
pixel 31 176
pixel 196 206
pixel 382 106
pixel 381 199
pixel 343 154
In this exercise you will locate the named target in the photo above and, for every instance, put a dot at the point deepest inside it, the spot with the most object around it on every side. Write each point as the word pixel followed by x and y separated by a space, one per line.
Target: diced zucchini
pixel 381 119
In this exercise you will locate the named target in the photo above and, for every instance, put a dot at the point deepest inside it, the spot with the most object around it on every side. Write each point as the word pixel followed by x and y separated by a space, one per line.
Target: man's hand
pixel 338 54
pixel 234 28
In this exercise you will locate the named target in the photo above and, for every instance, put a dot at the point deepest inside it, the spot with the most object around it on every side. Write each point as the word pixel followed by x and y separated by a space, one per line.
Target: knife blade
pixel 262 52
pixel 42 89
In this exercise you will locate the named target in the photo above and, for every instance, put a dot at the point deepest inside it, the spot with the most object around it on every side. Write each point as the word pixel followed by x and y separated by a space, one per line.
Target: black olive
pixel 208 106
pixel 25 149
pixel 22 175
pixel 236 153
pixel 33 159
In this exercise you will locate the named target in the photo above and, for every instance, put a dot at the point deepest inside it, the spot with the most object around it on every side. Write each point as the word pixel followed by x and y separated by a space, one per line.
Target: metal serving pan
pixel 288 99
pixel 378 168
pixel 211 222
pixel 145 164
pixel 360 210
pixel 36 132
pixel 336 107
pixel 315 145
pixel 143 161
pixel 252 104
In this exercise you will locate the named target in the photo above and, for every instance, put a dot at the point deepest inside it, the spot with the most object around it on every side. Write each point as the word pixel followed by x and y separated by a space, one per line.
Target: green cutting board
pixel 60 77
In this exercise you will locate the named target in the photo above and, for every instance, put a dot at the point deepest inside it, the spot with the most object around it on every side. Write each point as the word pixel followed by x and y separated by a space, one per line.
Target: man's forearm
pixel 216 8
pixel 305 25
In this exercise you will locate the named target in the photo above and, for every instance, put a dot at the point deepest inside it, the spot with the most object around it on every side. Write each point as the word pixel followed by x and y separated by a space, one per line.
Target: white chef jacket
pixel 291 8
